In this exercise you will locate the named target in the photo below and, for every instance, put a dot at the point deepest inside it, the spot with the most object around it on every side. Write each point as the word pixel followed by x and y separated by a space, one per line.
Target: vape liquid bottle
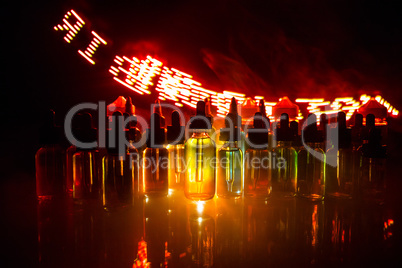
pixel 257 161
pixel 133 136
pixel 87 184
pixel 296 141
pixel 311 163
pixel 71 150
pixel 175 137
pixel 200 155
pixel 372 182
pixel 120 168
pixel 284 158
pixel 49 161
pixel 230 161
pixel 155 162
pixel 341 179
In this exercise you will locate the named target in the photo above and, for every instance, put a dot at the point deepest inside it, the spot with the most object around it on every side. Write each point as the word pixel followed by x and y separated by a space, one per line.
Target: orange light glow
pixel 86 57
pixel 309 100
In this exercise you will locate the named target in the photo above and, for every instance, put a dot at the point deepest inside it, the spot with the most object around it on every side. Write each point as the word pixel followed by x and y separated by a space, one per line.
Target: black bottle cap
pixel 370 121
pixel 283 133
pixel 156 136
pixel 85 131
pixel 258 135
pixel 231 132
pixel 114 142
pixel 132 132
pixel 373 148
pixel 49 133
pixel 310 131
pixel 175 130
pixel 294 127
pixel 358 120
pixel 208 112
pixel 341 119
pixel 201 121
pixel 158 110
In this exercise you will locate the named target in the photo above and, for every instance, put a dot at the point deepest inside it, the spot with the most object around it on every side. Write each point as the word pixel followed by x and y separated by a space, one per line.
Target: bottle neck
pixel 200 133
pixel 231 144
pixel 284 143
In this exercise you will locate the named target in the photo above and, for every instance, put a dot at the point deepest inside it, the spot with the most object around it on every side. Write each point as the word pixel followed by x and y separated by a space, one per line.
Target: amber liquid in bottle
pixel 176 165
pixel 200 154
pixel 155 169
pixel 230 171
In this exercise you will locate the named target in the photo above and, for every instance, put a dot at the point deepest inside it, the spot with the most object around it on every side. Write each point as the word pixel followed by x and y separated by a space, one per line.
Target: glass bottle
pixel 311 163
pixel 343 177
pixel 230 167
pixel 120 170
pixel 87 184
pixel 284 159
pixel 155 162
pixel 175 137
pixel 373 168
pixel 257 161
pixel 49 161
pixel 200 155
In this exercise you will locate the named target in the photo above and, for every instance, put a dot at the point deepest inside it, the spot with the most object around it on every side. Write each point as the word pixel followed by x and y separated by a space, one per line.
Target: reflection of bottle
pixel 155 165
pixel 311 166
pixel 202 241
pixel 157 230
pixel 257 161
pixel 119 170
pixel 228 233
pixel 49 161
pixel 284 172
pixel 200 156
pixel 175 137
pixel 230 160
pixel 372 181
pixel 87 184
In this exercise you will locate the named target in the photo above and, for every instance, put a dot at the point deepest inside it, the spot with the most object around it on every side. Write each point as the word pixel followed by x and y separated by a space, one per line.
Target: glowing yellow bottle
pixel 200 155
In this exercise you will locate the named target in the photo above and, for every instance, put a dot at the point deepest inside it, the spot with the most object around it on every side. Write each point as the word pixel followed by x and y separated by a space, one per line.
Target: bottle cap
pixel 231 132
pixel 156 136
pixel 310 131
pixel 175 130
pixel 283 132
pixel 114 141
pixel 132 132
pixel 201 121
pixel 158 110
pixel 258 135
pixel 208 112
pixel 358 120
pixel 49 133
pixel 85 131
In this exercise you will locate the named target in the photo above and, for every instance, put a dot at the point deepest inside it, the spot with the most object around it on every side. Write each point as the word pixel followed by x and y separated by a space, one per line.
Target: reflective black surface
pixel 173 231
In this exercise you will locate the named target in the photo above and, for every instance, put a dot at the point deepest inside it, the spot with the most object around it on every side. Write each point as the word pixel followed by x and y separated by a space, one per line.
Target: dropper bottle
pixel 155 162
pixel 120 169
pixel 311 163
pixel 69 155
pixel 257 173
pixel 176 138
pixel 49 161
pixel 230 160
pixel 284 162
pixel 372 182
pixel 200 154
pixel 87 184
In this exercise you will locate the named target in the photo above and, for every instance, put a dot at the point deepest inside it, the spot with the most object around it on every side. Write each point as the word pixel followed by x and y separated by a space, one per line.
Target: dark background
pixel 271 48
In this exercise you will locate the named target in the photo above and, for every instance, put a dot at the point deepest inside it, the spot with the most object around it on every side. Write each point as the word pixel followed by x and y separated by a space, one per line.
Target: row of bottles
pixel 260 161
